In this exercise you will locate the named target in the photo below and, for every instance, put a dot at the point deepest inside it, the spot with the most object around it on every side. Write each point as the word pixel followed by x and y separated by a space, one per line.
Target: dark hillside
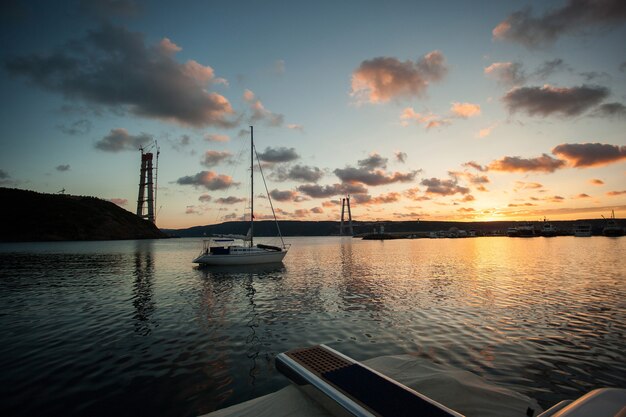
pixel 31 216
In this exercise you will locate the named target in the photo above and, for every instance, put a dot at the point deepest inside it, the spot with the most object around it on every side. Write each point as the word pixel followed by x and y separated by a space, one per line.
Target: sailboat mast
pixel 251 185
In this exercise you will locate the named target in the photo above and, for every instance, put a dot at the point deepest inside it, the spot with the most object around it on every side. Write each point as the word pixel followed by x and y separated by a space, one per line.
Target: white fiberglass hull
pixel 247 258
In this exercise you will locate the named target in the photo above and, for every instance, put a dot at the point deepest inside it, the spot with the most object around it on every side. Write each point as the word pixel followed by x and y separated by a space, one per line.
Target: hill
pixel 329 228
pixel 30 216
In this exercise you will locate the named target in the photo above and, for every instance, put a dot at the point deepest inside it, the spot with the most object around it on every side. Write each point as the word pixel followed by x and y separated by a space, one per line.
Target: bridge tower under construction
pixel 345 203
pixel 146 200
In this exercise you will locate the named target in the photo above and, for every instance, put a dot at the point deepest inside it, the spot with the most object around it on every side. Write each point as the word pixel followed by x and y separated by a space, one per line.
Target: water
pixel 133 328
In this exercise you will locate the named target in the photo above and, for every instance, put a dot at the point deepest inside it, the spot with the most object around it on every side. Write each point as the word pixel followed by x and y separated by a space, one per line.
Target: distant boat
pixel 241 250
pixel 611 227
pixel 547 229
pixel 524 230
pixel 582 230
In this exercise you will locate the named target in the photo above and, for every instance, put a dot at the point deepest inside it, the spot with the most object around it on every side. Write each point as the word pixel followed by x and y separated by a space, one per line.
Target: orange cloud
pixel 381 199
pixel 544 163
pixel 430 120
pixel 465 110
pixel 596 181
pixel 615 193
pixel 521 185
pixel 216 138
pixel 483 133
pixel 381 79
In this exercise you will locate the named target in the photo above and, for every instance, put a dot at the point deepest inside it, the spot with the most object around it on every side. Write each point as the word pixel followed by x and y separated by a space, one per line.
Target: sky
pixel 430 110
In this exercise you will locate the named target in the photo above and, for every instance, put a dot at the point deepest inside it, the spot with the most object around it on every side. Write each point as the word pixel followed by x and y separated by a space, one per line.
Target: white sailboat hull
pixel 249 257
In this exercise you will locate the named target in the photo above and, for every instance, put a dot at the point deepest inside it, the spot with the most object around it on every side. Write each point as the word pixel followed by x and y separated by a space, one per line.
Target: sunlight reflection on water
pixel 103 328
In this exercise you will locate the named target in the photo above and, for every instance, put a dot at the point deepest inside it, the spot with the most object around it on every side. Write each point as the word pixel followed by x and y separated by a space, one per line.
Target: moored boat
pixel 582 230
pixel 548 229
pixel 241 250
pixel 522 230
pixel 611 228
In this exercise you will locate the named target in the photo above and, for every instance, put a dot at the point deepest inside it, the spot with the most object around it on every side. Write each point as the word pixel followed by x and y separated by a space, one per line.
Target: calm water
pixel 133 328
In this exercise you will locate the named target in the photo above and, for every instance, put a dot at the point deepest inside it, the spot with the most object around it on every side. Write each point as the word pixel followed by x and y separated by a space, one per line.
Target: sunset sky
pixel 437 110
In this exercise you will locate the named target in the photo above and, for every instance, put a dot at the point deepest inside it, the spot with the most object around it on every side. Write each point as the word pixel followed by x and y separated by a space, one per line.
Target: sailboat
pixel 241 250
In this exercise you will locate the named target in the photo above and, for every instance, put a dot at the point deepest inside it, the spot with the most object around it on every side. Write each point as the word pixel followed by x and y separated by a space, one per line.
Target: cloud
pixel 381 199
pixel 476 179
pixel 616 193
pixel 401 156
pixel 582 155
pixel 465 110
pixel 483 133
pixel 413 194
pixel 429 120
pixel 583 195
pixel 300 213
pixel 216 138
pixel 544 163
pixel 213 158
pixel 4 175
pixel 260 113
pixel 63 168
pixel 596 181
pixel 120 140
pixel 610 110
pixel 79 127
pixel 381 79
pixel 110 8
pixel 113 67
pixel 209 180
pixel 506 73
pixel 300 173
pixel 317 210
pixel 286 195
pixel 550 67
pixel 595 75
pixel 230 200
pixel 205 198
pixel 294 126
pixel 373 161
pixel 275 155
pixel 119 201
pixel 194 210
pixel 521 185
pixel 179 144
pixel 368 177
pixel 521 205
pixel 467 198
pixel 547 100
pixel 475 165
pixel 326 191
pixel 576 16
pixel 622 67
pixel 443 187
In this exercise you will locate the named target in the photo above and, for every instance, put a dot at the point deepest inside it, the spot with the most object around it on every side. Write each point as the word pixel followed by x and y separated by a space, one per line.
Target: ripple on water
pixel 103 328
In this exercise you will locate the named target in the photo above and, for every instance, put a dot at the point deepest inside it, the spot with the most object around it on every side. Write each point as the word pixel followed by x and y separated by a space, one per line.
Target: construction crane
pixel 146 181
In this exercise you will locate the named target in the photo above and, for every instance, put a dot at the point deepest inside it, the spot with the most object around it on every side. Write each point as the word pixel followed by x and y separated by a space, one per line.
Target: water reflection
pixel 361 287
pixel 143 292
pixel 230 300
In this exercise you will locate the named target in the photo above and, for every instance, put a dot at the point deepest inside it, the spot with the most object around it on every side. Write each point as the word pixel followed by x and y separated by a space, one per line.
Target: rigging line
pixel 269 197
